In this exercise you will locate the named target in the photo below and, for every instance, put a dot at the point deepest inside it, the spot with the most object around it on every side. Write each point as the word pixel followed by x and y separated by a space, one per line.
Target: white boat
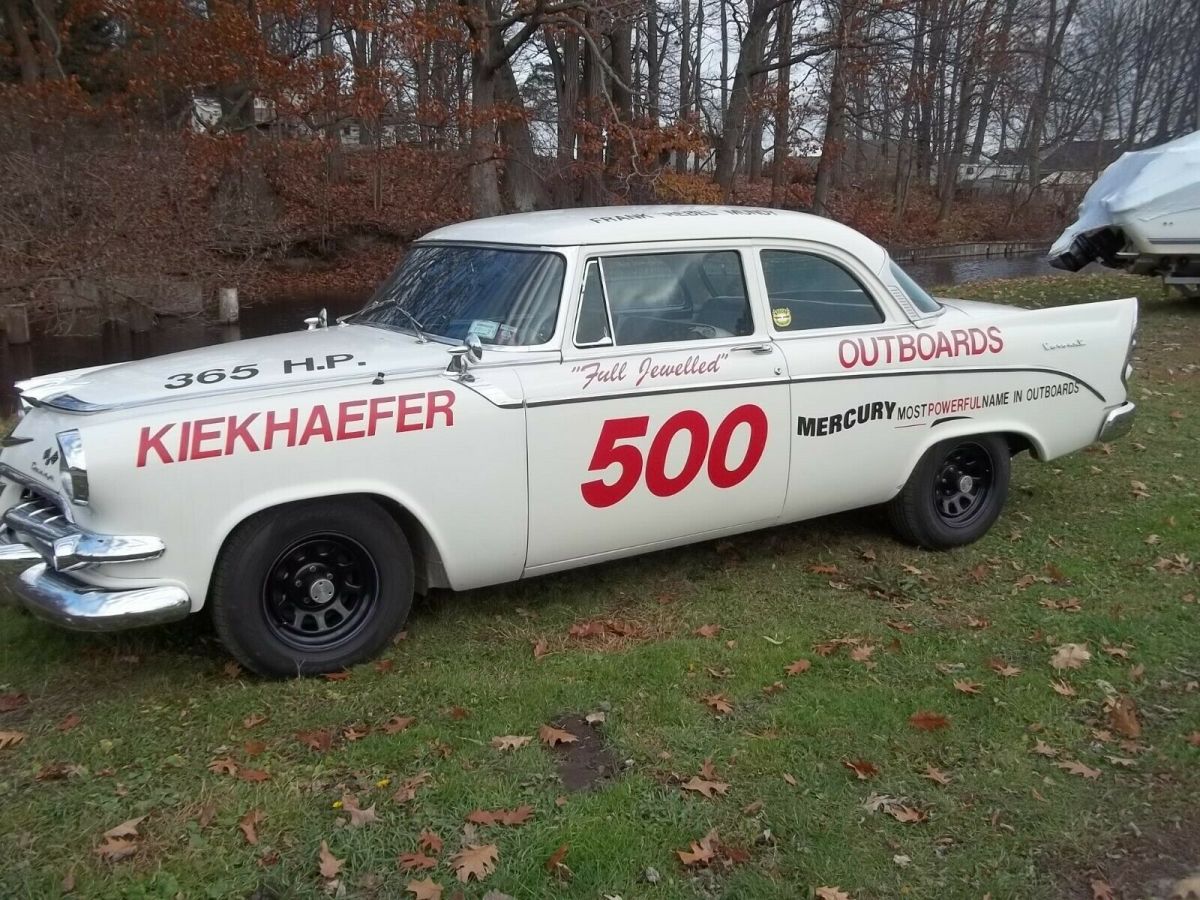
pixel 1142 215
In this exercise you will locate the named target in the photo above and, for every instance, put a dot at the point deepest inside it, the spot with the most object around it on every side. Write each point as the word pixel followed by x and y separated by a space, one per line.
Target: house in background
pixel 1066 170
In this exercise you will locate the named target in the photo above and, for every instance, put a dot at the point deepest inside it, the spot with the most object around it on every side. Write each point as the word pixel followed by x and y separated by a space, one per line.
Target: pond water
pixel 49 353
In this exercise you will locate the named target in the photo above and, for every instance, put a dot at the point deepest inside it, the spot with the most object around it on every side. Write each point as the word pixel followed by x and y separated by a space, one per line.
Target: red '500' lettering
pixel 610 450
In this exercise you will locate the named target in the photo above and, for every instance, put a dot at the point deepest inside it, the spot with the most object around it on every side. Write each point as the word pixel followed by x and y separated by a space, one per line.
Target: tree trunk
pixel 833 142
pixel 733 127
pixel 521 178
pixel 484 178
pixel 685 76
pixel 26 55
pixel 593 174
pixel 653 69
pixel 780 176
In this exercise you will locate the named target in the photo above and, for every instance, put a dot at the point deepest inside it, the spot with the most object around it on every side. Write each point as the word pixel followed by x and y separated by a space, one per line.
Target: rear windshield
pixel 918 295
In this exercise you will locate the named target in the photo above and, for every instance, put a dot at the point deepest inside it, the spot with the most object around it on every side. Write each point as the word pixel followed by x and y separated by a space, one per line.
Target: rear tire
pixel 954 494
pixel 312 587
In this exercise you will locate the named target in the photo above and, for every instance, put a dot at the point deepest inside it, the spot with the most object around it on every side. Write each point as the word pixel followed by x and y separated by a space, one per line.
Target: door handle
pixel 754 348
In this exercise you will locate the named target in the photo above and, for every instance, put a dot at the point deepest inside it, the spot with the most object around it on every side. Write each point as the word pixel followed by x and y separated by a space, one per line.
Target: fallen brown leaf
pixel 336 676
pixel 832 893
pixel 249 825
pixel 1061 687
pixel 12 700
pixel 1123 717
pixel 253 775
pixel 475 861
pixel 968 687
pixel 1041 748
pixel 1077 768
pixel 718 703
pixel 510 817
pixel 321 741
pixel 554 863
pixel 906 814
pixel 510 741
pixel 327 864
pixel 936 775
pixel 926 720
pixel 707 631
pixel 540 648
pixel 254 719
pixel 1070 656
pixel 705 787
pixel 862 769
pixel 223 765
pixel 552 737
pixel 1002 668
pixel 359 817
pixel 396 724
pixel 114 849
pixel 69 723
pixel 1102 890
pixel 425 889
pixel 799 667
pixel 429 842
pixel 701 852
pixel 416 860
pixel 408 788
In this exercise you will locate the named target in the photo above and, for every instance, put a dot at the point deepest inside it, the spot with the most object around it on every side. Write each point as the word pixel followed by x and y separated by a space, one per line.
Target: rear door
pixel 669 417
pixel 840 333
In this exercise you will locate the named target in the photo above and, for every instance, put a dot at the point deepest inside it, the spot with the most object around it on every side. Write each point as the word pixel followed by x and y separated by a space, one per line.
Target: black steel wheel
pixel 320 591
pixel 955 493
pixel 963 483
pixel 312 587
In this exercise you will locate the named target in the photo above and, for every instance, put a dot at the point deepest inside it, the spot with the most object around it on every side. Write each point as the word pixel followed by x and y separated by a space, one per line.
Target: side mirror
pixel 463 357
pixel 320 320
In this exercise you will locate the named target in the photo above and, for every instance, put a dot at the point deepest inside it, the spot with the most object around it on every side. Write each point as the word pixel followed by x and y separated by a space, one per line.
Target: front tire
pixel 955 493
pixel 312 587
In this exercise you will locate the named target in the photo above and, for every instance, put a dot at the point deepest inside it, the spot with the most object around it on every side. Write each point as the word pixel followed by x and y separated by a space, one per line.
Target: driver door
pixel 667 420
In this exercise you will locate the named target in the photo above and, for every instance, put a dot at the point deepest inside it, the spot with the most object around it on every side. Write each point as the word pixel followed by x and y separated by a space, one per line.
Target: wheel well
pixel 1018 442
pixel 429 571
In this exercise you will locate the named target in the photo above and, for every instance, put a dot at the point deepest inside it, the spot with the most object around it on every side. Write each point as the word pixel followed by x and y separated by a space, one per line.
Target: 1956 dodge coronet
pixel 531 393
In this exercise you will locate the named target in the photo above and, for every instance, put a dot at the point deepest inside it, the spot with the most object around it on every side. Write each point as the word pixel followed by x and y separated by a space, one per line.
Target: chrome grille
pixel 39 516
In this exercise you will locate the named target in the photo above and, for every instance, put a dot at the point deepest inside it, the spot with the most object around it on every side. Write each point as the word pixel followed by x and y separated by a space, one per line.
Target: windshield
pixel 505 297
pixel 919 297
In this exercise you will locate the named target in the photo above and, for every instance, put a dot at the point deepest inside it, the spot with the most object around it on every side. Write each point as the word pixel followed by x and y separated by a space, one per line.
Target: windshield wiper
pixel 417 327
pixel 415 324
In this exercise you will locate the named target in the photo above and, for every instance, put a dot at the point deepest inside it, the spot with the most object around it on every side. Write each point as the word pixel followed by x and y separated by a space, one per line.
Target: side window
pixel 807 291
pixel 661 297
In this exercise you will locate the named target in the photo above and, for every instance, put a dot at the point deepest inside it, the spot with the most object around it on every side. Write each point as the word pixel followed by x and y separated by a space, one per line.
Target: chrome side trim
pixel 63 601
pixel 1118 422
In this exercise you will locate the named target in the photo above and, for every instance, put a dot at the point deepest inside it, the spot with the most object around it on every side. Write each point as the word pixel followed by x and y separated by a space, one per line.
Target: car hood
pixel 281 362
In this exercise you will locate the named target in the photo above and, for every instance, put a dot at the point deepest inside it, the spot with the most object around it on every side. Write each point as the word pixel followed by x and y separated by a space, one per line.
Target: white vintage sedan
pixel 531 393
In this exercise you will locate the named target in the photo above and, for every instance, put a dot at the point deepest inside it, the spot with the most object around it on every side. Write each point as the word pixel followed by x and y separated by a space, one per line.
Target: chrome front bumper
pixel 64 601
pixel 1117 422
pixel 36 529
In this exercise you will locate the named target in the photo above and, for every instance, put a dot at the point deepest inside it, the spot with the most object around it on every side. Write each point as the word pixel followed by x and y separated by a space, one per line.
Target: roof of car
pixel 632 224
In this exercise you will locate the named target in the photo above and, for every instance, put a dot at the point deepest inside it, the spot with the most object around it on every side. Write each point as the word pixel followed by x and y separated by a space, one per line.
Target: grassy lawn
pixel 1100 550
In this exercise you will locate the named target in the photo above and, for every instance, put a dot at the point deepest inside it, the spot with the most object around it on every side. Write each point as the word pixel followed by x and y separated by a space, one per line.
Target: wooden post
pixel 16 323
pixel 227 305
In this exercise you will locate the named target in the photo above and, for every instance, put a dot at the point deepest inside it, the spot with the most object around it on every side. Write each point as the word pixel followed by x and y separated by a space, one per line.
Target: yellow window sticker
pixel 781 316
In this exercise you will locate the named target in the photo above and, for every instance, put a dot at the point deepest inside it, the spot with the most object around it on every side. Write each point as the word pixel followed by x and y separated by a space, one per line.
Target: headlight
pixel 73 466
